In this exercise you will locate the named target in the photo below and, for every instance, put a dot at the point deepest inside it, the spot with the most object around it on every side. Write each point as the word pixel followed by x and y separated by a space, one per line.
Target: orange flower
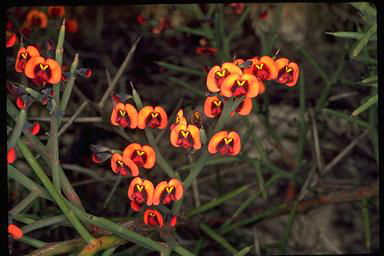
pixel 244 107
pixel 123 165
pixel 71 26
pixel 11 156
pixel 237 85
pixel 15 232
pixel 140 192
pixel 263 68
pixel 217 75
pixel 141 155
pixel 153 218
pixel 238 61
pixel 24 55
pixel 152 117
pixel 124 115
pixel 37 18
pixel 166 192
pixel 42 70
pixel 227 143
pixel 213 106
pixel 179 119
pixel 288 72
pixel 186 136
pixel 56 11
pixel 11 39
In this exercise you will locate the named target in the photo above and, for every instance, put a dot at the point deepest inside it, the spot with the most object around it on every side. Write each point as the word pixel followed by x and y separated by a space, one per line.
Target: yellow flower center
pixel 185 134
pixel 227 141
pixel 169 190
pixel 240 83
pixel 43 67
pixel 140 188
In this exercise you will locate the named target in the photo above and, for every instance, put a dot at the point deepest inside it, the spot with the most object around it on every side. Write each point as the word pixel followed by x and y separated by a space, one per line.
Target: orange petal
pixel 55 71
pixel 195 133
pixel 15 232
pixel 247 107
pixel 273 71
pixel 295 73
pixel 163 116
pixel 135 206
pixel 281 62
pixel 232 68
pixel 11 156
pixel 21 50
pixel 174 136
pixel 115 157
pixel 151 156
pixel 226 86
pixel 128 151
pixel 32 51
pixel 238 61
pixel 253 88
pixel 215 140
pixel 149 188
pixel 211 80
pixel 131 189
pixel 173 221
pixel 236 142
pixel 255 61
pixel 115 113
pixel 142 116
pixel 132 166
pixel 31 64
pixel 261 87
pixel 159 217
pixel 178 187
pixel 146 215
pixel 158 191
pixel 132 114
pixel 208 105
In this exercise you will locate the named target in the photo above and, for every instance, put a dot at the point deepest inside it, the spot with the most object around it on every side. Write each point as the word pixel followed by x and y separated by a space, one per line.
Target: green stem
pixel 43 223
pixel 24 203
pixel 218 238
pixel 32 242
pixel 288 228
pixel 346 117
pixel 182 251
pixel 53 192
pixel 18 129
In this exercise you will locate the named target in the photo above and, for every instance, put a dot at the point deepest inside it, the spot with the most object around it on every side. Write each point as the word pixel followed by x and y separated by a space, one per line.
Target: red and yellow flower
pixel 288 72
pixel 36 18
pixel 227 143
pixel 186 136
pixel 238 85
pixel 213 106
pixel 124 115
pixel 140 155
pixel 153 218
pixel 263 68
pixel 56 11
pixel 123 165
pixel 152 117
pixel 179 119
pixel 140 192
pixel 218 74
pixel 15 231
pixel 24 55
pixel 166 192
pixel 43 71
pixel 244 108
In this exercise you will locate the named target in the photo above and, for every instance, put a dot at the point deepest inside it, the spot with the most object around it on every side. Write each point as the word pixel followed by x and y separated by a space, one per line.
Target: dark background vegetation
pixel 103 39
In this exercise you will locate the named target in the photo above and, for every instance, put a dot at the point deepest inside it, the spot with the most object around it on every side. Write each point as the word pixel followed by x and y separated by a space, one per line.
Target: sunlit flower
pixel 213 106
pixel 24 55
pixel 263 68
pixel 153 218
pixel 15 232
pixel 179 119
pixel 218 74
pixel 238 85
pixel 244 108
pixel 141 155
pixel 227 143
pixel 140 192
pixel 166 192
pixel 37 18
pixel 186 136
pixel 288 72
pixel 123 165
pixel 124 115
pixel 152 117
pixel 43 71
pixel 56 11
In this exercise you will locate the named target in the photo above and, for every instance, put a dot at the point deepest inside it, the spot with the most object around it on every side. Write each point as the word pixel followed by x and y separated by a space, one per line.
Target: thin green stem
pixel 288 228
pixel 24 203
pixel 32 242
pixel 53 192
pixel 182 251
pixel 44 223
pixel 218 238
pixel 18 129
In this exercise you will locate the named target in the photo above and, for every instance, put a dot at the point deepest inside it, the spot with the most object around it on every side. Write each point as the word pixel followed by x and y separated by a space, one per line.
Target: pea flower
pixel 43 71
pixel 244 108
pixel 186 136
pixel 238 85
pixel 124 115
pixel 227 143
pixel 152 117
pixel 217 75
pixel 179 119
pixel 153 218
pixel 213 106
pixel 166 192
pixel 36 18
pixel 288 72
pixel 140 155
pixel 123 165
pixel 24 55
pixel 140 192
pixel 263 68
